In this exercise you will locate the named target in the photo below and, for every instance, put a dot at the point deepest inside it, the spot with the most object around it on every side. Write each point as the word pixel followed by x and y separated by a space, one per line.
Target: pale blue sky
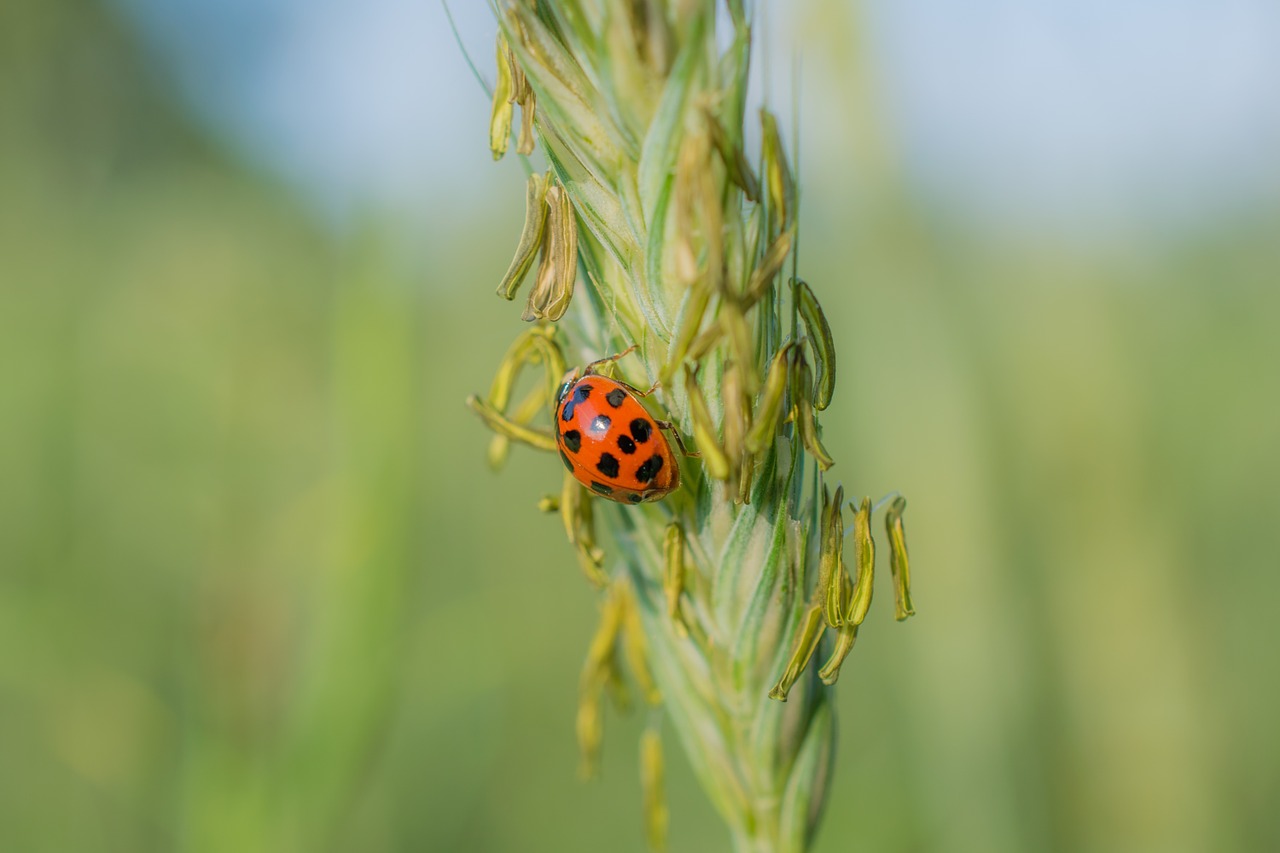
pixel 1084 115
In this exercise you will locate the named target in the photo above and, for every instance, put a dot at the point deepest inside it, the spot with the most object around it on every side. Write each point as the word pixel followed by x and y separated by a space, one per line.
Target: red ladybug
pixel 609 442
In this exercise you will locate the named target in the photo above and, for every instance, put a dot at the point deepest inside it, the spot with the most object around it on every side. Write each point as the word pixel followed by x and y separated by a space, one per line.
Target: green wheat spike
pixel 712 602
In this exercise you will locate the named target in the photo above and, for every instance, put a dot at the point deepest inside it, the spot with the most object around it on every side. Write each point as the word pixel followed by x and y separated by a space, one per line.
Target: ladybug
pixel 609 442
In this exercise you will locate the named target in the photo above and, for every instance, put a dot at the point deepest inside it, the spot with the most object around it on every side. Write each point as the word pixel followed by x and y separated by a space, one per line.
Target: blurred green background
pixel 259 591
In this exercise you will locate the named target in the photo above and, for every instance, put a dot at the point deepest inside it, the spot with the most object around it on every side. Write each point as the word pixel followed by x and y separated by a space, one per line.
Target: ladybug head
pixel 565 384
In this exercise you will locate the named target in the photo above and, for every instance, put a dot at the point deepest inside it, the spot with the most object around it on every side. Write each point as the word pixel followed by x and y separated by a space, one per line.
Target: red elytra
pixel 610 443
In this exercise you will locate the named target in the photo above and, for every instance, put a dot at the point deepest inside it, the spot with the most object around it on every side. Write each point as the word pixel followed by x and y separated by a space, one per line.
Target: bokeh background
pixel 259 591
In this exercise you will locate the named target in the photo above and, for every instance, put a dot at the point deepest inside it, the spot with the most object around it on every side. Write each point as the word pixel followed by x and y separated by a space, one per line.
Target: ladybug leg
pixel 634 390
pixel 675 433
pixel 591 368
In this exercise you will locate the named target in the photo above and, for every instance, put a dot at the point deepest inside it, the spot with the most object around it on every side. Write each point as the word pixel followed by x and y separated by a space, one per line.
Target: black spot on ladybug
pixel 608 465
pixel 566 461
pixel 649 469
pixel 615 397
pixel 583 392
pixel 635 497
pixel 572 440
pixel 600 424
pixel 601 488
pixel 640 430
pixel 625 444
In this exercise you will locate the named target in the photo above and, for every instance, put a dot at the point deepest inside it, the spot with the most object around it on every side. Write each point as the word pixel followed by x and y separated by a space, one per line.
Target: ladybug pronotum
pixel 609 442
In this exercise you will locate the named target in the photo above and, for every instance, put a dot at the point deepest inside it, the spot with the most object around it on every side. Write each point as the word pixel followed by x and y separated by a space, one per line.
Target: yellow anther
pixel 898 564
pixel 735 160
pixel 535 220
pixel 558 269
pixel 714 461
pixel 635 647
pixel 768 413
pixel 820 337
pixel 653 786
pixel 846 636
pixel 806 645
pixel 762 277
pixel 674 573
pixel 779 186
pixel 864 562
pixel 528 112
pixel 597 671
pixel 802 412
pixel 831 569
pixel 499 423
pixel 500 121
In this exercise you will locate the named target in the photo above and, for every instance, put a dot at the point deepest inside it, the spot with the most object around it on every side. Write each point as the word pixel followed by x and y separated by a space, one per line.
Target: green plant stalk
pixel 640 115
